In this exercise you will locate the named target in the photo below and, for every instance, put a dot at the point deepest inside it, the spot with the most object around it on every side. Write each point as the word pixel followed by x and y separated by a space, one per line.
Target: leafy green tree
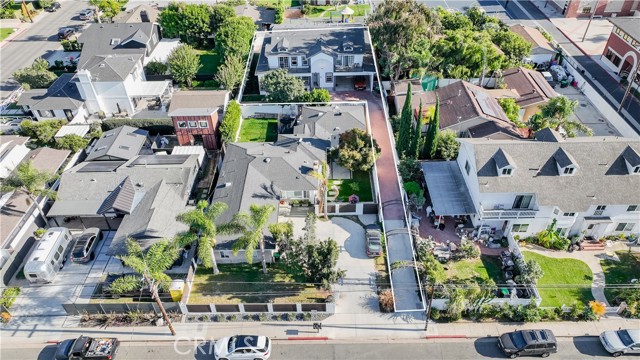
pixel 557 114
pixel 322 175
pixel 30 181
pixel 45 3
pixel 36 76
pixel 431 138
pixel 282 87
pixel 396 27
pixel 72 142
pixel 252 226
pixel 170 20
pixel 279 18
pixel 315 262
pixel 416 135
pixel 409 170
pixel 231 122
pixel 530 273
pixel 316 96
pixel 189 20
pixel 514 46
pixel 184 64
pixel 454 20
pixel 357 150
pixel 203 230
pixel 234 36
pixel 151 265
pixel 447 145
pixel 42 131
pixel 512 110
pixel 480 19
pixel 109 8
pixel 156 68
pixel 405 132
pixel 230 73
pixel 218 14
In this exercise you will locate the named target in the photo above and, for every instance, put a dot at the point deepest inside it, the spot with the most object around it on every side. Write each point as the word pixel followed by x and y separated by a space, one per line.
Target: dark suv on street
pixel 527 343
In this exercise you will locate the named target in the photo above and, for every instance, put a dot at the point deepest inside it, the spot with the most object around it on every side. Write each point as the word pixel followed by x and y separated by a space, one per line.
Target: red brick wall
pixel 209 134
pixel 574 9
pixel 621 47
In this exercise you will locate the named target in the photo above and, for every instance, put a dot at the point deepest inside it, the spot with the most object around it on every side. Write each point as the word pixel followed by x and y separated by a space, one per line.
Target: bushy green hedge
pixel 279 13
pixel 231 122
pixel 9 296
pixel 153 126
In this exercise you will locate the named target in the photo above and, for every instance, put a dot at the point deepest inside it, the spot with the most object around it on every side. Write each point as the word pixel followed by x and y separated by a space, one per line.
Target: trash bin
pixel 564 83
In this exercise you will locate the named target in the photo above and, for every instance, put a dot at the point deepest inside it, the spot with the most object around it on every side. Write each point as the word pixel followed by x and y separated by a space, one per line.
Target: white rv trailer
pixel 49 255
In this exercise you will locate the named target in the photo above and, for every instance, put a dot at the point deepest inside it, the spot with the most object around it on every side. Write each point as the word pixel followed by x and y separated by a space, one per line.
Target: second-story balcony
pixel 505 214
pixel 299 70
pixel 348 68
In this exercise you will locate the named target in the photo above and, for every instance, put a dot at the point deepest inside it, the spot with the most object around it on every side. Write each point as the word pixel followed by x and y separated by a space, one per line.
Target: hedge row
pixel 153 126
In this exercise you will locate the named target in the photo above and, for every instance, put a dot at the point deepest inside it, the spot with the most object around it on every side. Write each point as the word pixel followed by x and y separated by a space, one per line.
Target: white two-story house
pixel 323 58
pixel 589 185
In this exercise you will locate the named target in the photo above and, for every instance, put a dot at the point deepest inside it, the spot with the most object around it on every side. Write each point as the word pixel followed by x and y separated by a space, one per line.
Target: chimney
pixel 267 160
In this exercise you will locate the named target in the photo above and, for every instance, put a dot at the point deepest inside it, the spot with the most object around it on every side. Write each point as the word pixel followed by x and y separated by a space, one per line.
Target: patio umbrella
pixel 347 11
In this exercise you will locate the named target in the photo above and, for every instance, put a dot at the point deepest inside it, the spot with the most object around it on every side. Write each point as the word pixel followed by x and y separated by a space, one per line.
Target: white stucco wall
pixel 12 159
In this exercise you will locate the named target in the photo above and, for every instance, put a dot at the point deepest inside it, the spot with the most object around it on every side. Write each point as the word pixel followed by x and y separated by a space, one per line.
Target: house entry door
pixel 316 80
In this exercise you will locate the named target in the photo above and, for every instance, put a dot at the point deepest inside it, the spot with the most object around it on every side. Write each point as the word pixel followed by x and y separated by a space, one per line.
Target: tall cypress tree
pixel 405 132
pixel 431 139
pixel 417 133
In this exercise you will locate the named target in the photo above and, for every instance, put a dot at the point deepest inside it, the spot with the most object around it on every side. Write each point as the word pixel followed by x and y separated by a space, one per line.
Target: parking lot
pixel 74 283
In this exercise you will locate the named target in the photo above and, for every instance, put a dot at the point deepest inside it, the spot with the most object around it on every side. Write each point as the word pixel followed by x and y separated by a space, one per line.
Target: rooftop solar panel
pixel 101 166
pixel 160 160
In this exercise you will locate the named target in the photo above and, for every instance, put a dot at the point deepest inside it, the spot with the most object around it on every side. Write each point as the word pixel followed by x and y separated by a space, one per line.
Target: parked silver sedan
pixel 624 341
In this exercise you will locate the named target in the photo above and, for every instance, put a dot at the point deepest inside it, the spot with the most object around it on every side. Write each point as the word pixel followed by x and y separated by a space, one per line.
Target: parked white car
pixel 621 341
pixel 243 347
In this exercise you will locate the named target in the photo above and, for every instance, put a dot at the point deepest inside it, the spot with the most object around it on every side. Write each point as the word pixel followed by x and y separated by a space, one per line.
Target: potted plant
pixel 354 199
pixel 39 233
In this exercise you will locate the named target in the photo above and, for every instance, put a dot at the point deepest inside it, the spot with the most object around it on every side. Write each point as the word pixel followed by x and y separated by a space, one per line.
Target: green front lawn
pixel 210 60
pixel 5 32
pixel 247 284
pixel 362 179
pixel 286 3
pixel 620 272
pixel 564 281
pixel 259 130
pixel 482 269
pixel 324 11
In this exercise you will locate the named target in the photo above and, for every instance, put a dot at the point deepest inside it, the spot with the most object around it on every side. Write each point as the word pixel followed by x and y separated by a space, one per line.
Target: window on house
pixel 305 61
pixel 611 56
pixel 520 228
pixel 636 170
pixel 632 208
pixel 193 124
pixel 347 60
pixel 224 254
pixel 591 226
pixel 600 209
pixel 294 61
pixel 45 113
pixel 586 10
pixel 507 171
pixel 328 77
pixel 569 214
pixel 283 62
pixel 182 124
pixel 204 124
pixel 569 170
pixel 522 201
pixel 562 231
pixel 625 226
pixel 467 167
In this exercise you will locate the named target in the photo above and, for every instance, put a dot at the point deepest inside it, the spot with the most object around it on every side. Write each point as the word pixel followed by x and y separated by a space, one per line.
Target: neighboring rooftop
pixel 115 67
pixel 62 94
pixel 47 159
pixel 600 162
pixel 323 121
pixel 196 103
pixel 531 86
pixel 115 38
pixel 331 41
pixel 539 45
pixel 73 129
pixel 630 25
pixel 122 143
pixel 139 14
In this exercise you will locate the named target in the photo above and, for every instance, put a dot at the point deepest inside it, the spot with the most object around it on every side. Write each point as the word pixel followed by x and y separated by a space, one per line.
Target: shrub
pixel 154 126
pixel 576 311
pixel 598 308
pixel 589 314
pixel 5 317
pixel 125 284
pixel 307 316
pixel 39 232
pixel 435 314
pixel 279 12
pixel 386 300
pixel 469 250
pixel 9 296
pixel 156 68
pixel 231 122
pixel 233 317
pixel 72 142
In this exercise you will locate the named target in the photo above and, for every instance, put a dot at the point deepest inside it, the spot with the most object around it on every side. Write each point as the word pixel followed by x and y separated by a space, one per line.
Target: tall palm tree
pixel 556 114
pixel 202 229
pixel 251 225
pixel 151 264
pixel 95 4
pixel 31 182
pixel 323 186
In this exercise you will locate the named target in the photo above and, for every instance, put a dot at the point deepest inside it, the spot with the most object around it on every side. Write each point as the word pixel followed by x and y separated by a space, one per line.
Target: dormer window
pixel 305 61
pixel 504 164
pixel 564 161
pixel 632 160
pixel 507 171
pixel 636 170
pixel 115 41
pixel 569 170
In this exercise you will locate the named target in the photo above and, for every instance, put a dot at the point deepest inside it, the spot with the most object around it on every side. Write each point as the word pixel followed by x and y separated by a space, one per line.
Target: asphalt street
pixel 37 40
pixel 485 348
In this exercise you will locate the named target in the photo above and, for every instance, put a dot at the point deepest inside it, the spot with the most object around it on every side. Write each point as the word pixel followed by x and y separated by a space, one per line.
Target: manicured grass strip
pixel 560 275
pixel 345 188
pixel 325 11
pixel 210 61
pixel 259 130
pixel 5 32
pixel 620 272
pixel 482 269
pixel 246 283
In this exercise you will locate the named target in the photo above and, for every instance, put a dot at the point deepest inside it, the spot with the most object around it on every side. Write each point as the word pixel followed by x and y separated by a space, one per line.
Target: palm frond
pixel 204 251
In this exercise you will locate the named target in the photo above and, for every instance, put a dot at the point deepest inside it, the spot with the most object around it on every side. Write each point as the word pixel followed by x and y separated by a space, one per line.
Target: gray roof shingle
pixel 197 103
pixel 98 39
pixel 122 143
pixel 322 121
pixel 602 178
pixel 61 95
pixel 630 25
pixel 115 67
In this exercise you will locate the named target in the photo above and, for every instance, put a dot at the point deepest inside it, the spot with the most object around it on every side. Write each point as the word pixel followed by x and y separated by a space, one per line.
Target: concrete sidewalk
pixel 345 327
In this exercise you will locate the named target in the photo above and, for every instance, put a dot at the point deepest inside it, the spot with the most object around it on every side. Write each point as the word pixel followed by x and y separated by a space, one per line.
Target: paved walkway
pixel 599 78
pixel 591 258
pixel 404 280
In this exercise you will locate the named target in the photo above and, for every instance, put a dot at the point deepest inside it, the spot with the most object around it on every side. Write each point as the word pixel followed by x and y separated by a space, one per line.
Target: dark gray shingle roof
pixel 111 67
pixel 97 39
pixel 122 143
pixel 62 94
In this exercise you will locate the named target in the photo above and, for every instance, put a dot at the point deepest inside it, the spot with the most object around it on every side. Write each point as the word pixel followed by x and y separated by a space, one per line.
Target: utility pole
pixel 633 75
pixel 593 13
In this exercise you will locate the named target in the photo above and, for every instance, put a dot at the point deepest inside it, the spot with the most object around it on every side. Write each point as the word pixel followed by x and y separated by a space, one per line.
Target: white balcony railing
pixel 509 214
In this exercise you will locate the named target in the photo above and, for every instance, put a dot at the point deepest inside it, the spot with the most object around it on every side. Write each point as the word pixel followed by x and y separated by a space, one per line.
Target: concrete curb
pixel 11 37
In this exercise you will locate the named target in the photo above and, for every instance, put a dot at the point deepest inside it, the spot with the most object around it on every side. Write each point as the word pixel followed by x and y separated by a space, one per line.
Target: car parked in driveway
pixel 65 33
pixel 53 7
pixel 374 240
pixel 624 341
pixel 360 83
pixel 528 343
pixel 86 245
pixel 243 347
